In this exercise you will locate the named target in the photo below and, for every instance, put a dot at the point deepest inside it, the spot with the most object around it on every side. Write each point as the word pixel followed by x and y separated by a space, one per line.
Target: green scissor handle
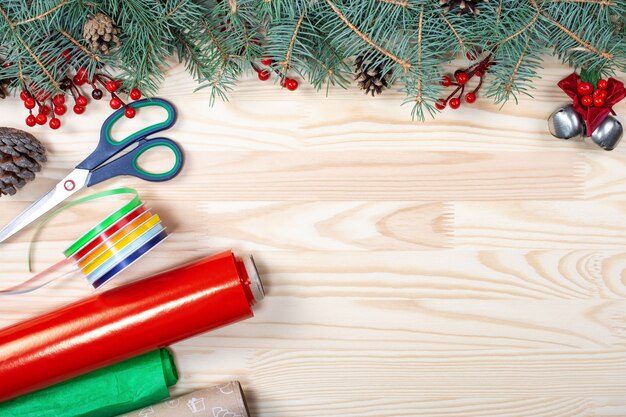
pixel 127 163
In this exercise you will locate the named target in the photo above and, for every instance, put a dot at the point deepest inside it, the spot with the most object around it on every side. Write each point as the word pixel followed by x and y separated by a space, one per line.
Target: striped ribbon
pixel 105 250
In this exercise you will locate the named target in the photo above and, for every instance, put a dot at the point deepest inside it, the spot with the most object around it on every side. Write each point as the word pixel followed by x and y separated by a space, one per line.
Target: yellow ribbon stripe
pixel 121 244
pixel 113 240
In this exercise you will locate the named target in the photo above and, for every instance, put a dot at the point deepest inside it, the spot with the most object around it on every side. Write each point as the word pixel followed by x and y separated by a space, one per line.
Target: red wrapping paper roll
pixel 125 322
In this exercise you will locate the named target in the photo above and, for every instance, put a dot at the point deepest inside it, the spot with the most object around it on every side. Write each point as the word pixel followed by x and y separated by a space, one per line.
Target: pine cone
pixel 20 155
pixel 101 33
pixel 464 6
pixel 370 78
pixel 4 83
pixel 4 88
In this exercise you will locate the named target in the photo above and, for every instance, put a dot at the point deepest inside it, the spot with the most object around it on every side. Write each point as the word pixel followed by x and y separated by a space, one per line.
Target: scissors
pixel 98 166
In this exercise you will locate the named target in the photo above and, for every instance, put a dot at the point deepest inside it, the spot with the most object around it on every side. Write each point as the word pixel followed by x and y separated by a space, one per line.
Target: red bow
pixel 593 116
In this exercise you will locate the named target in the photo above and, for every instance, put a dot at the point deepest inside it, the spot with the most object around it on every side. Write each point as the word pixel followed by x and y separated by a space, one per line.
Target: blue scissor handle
pixel 127 163
pixel 108 148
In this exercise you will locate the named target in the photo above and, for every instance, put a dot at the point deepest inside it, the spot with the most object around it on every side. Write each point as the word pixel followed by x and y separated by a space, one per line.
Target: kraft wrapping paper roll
pixel 118 388
pixel 126 321
pixel 225 400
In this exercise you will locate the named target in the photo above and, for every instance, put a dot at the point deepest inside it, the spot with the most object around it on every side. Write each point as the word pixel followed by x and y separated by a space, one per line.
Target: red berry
pixel 77 80
pixel 82 73
pixel 24 95
pixel 111 86
pixel 263 75
pixel 81 101
pixel 291 84
pixel 470 97
pixel 66 55
pixel 603 84
pixel 130 112
pixel 446 81
pixel 586 101
pixel 266 60
pixel 58 100
pixel 41 119
pixel 44 110
pixel 115 103
pixel 79 109
pixel 135 94
pixel 461 78
pixel 584 89
pixel 603 94
pixel 598 102
pixel 31 121
pixel 479 73
pixel 60 110
pixel 441 104
pixel 455 103
pixel 55 123
pixel 29 103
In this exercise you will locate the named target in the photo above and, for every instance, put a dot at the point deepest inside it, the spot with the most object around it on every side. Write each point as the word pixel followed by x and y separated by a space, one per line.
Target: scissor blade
pixel 69 185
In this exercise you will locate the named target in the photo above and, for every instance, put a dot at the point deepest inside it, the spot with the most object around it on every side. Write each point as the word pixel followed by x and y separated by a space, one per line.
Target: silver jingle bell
pixel 566 123
pixel 608 134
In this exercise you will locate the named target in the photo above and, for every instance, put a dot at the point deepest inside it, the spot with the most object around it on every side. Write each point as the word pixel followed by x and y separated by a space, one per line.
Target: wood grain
pixel 467 266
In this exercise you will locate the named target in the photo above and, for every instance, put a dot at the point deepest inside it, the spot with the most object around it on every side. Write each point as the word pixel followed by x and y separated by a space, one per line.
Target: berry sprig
pixel 590 97
pixel 30 102
pixel 57 106
pixel 461 78
pixel 264 74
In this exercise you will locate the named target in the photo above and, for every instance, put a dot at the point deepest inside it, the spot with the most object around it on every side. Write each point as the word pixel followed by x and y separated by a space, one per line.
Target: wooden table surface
pixel 472 265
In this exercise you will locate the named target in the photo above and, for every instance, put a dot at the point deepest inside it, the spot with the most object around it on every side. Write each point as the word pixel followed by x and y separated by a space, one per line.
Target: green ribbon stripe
pixel 90 235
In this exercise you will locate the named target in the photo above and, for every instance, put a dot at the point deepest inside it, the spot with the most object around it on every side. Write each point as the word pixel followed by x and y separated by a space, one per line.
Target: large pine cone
pixel 20 157
pixel 101 33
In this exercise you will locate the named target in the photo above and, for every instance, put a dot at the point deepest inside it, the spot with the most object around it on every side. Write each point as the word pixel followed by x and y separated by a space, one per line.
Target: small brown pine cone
pixel 368 77
pixel 461 7
pixel 101 33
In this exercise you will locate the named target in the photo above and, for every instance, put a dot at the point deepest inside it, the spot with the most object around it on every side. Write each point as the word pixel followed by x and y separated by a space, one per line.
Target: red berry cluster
pixel 264 74
pixel 56 106
pixel 590 97
pixel 461 78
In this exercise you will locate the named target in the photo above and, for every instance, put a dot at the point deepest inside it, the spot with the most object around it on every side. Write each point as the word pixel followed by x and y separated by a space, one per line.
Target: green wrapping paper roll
pixel 116 389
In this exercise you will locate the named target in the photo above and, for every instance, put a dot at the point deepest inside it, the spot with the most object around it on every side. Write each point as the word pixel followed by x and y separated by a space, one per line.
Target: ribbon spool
pixel 108 248
pixel 116 242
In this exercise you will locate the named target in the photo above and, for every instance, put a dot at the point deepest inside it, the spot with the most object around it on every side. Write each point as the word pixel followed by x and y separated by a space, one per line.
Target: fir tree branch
pixel 17 36
pixel 418 84
pixel 528 26
pixel 285 64
pixel 456 34
pixel 20 73
pixel 509 86
pixel 401 3
pixel 403 63
pixel 589 47
pixel 217 76
pixel 216 42
pixel 143 61
pixel 81 47
pixel 599 2
pixel 44 14
pixel 174 9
